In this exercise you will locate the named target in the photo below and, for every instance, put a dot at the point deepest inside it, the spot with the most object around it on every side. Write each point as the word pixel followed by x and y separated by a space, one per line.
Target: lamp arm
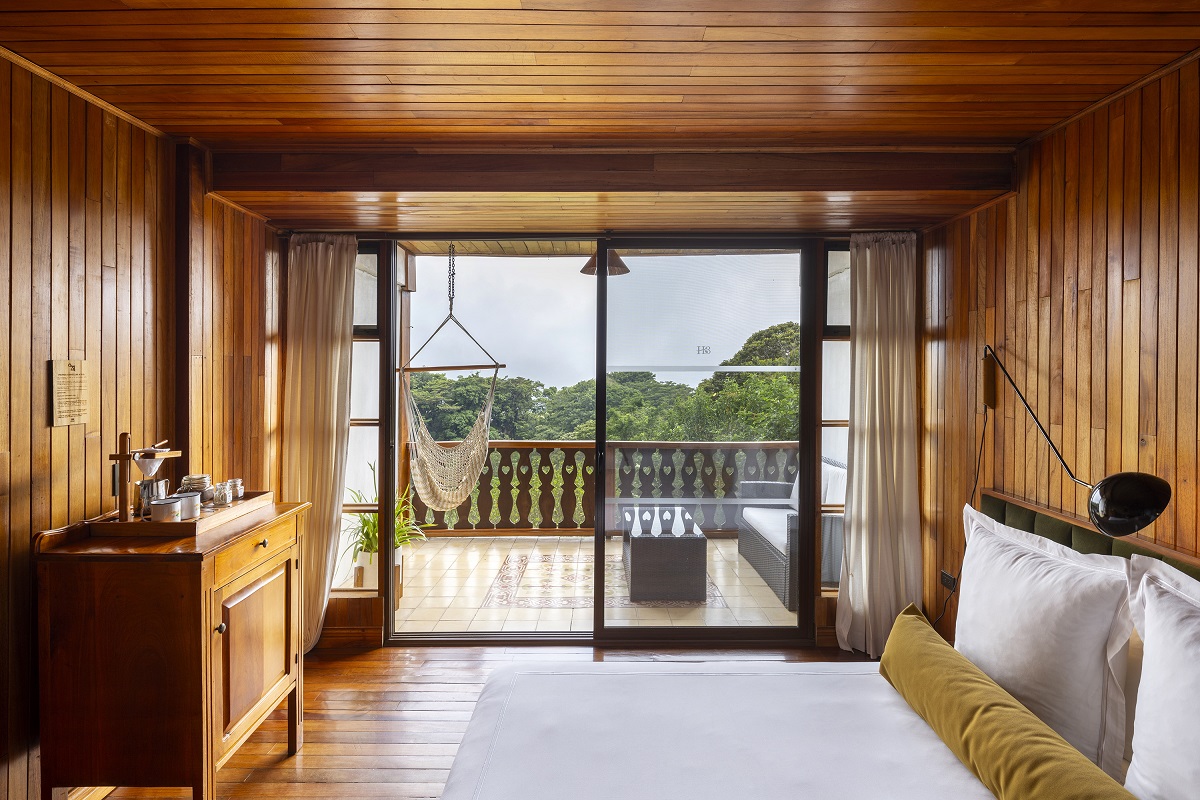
pixel 987 350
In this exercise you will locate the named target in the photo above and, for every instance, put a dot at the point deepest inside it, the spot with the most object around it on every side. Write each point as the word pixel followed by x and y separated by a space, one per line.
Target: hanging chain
pixel 450 280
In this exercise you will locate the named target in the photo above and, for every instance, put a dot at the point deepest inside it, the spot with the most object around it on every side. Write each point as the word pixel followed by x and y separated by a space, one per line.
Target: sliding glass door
pixel 709 439
pixel 690 493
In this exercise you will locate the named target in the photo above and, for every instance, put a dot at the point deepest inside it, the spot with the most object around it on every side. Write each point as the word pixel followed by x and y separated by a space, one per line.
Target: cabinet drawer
pixel 254 548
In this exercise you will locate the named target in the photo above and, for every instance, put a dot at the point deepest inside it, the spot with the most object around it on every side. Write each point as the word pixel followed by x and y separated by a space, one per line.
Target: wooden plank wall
pixel 86 219
pixel 1086 283
pixel 85 229
pixel 235 398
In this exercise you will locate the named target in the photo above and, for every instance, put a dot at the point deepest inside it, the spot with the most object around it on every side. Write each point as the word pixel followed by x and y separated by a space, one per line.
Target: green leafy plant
pixel 363 527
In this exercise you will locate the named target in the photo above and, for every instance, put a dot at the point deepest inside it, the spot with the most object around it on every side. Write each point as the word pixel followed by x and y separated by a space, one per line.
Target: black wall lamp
pixel 1118 505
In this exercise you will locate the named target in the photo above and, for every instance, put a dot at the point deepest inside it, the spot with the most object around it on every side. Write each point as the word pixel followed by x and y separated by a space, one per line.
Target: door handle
pixel 222 628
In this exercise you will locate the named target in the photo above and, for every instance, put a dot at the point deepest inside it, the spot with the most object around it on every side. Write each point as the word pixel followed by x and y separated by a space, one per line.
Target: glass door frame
pixel 812 323
pixel 394 311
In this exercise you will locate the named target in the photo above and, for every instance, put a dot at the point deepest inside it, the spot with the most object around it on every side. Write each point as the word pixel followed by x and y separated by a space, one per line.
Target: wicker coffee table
pixel 670 566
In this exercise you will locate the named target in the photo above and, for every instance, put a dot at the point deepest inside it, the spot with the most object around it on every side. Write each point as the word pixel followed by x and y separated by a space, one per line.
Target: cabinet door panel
pixel 255 652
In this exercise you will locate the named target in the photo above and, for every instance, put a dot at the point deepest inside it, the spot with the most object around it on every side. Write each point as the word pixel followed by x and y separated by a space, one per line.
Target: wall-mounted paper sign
pixel 71 400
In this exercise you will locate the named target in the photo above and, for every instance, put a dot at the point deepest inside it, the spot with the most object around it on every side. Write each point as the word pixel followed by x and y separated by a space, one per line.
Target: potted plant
pixel 363 528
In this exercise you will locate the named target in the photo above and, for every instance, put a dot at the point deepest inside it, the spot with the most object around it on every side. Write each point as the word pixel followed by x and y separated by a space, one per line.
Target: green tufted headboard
pixel 1020 514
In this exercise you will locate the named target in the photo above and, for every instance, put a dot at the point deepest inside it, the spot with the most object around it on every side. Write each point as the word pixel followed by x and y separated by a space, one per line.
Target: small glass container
pixel 222 494
pixel 235 485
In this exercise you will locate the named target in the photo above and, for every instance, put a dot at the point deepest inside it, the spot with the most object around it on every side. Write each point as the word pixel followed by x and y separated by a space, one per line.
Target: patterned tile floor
pixel 545 583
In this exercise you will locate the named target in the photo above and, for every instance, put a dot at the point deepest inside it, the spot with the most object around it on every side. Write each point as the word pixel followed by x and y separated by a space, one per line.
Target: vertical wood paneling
pixel 1189 307
pixel 1068 381
pixel 93 294
pixel 7 281
pixel 238 401
pixel 1096 308
pixel 66 216
pixel 60 301
pixel 76 237
pixel 87 229
pixel 137 294
pixel 6 111
pixel 20 653
pixel 40 474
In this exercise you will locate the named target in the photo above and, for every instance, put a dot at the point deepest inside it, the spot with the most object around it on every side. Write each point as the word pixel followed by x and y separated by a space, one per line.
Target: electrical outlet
pixel 949 581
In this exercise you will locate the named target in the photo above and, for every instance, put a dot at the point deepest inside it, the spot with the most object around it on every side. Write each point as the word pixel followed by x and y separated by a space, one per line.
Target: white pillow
pixel 1051 626
pixel 1133 676
pixel 1166 610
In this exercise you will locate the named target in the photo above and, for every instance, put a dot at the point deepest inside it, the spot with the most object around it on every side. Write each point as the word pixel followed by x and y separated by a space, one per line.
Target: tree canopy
pixel 726 407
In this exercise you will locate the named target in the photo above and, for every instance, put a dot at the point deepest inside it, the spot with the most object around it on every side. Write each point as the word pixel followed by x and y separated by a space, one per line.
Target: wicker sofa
pixel 769 534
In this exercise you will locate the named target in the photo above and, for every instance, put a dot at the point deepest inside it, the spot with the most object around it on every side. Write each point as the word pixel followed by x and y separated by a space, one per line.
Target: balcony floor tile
pixel 544 583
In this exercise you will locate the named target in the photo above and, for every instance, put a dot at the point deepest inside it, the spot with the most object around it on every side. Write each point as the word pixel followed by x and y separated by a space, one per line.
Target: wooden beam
pixel 675 172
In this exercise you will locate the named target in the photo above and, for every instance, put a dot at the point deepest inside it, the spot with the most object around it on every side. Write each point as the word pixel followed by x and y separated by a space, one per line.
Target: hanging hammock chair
pixel 445 476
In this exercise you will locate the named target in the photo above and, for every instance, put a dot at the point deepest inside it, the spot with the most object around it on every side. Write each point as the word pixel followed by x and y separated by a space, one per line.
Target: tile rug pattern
pixel 565 581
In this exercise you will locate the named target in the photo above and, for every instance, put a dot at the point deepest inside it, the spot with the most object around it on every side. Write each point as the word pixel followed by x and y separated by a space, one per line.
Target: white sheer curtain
pixel 881 568
pixel 316 405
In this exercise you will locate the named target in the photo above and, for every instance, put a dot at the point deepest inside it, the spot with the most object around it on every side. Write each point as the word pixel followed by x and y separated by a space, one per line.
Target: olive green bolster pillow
pixel 1014 754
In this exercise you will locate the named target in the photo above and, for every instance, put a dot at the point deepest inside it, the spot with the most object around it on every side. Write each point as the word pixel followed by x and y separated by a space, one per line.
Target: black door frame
pixel 812 319
pixel 812 322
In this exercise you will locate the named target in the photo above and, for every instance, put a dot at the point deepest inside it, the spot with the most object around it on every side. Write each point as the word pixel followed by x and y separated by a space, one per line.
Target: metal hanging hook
pixel 495 365
pixel 450 280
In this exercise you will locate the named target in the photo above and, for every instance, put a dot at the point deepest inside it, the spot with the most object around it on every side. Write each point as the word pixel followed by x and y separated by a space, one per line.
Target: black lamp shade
pixel 1126 502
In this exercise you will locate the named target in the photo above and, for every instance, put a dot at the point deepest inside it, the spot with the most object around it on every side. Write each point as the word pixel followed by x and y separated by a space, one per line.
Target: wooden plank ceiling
pixel 481 76
pixel 261 73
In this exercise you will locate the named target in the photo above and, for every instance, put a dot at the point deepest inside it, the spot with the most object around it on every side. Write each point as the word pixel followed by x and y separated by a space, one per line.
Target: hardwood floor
pixel 388 722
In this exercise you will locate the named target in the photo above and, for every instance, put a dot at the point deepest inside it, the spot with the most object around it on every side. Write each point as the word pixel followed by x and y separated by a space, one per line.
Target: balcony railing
pixel 549 487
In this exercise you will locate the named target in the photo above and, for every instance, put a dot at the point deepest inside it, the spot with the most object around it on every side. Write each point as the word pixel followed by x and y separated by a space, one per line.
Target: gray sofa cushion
pixel 772 523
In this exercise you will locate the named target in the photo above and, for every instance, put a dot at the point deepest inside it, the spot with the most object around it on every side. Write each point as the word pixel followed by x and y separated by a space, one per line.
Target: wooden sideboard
pixel 159 657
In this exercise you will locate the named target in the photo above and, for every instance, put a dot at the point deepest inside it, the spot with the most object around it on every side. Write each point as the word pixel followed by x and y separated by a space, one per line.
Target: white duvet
pixel 759 730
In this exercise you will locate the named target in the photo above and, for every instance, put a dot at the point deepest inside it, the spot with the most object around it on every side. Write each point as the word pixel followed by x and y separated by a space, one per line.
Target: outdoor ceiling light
pixel 615 265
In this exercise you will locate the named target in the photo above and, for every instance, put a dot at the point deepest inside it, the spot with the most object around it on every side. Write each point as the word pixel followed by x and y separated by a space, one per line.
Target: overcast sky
pixel 538 315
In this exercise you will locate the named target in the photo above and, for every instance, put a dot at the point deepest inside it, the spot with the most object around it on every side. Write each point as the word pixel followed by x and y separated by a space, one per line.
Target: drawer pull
pixel 263 543
pixel 222 628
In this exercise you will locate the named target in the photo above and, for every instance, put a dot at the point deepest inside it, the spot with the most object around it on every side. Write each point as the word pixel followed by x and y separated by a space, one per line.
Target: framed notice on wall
pixel 71 400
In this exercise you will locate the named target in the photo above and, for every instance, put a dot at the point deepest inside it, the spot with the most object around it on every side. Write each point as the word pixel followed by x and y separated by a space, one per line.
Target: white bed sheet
pixel 659 731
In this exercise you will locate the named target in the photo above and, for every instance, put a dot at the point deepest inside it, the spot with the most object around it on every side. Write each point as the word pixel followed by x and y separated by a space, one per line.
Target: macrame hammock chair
pixel 445 476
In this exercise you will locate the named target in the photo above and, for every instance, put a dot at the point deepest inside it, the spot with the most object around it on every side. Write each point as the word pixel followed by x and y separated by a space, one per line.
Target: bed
pixel 642 731
pixel 1031 718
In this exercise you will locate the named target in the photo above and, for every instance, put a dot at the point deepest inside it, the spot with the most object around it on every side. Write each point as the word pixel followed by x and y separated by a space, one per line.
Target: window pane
pixel 364 381
pixel 702 419
pixel 366 270
pixel 343 574
pixel 835 380
pixel 839 288
pixel 835 444
pixel 362 451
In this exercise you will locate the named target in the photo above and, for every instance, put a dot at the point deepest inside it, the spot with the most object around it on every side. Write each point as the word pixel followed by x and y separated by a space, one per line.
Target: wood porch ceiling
pixel 488 74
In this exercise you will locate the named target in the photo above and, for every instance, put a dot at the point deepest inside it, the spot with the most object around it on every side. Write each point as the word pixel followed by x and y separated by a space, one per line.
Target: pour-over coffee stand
pixel 148 461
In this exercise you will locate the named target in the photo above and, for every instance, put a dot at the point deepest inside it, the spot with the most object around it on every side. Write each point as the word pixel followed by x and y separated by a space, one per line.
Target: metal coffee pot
pixel 148 490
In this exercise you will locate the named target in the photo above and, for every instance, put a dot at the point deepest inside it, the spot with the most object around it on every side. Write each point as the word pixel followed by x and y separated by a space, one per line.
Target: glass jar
pixel 235 484
pixel 222 494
